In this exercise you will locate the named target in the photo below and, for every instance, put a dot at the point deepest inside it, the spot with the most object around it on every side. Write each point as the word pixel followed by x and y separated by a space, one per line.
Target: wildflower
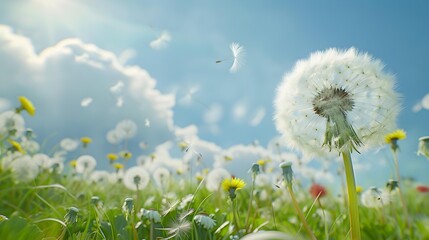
pixel 262 162
pixel 126 155
pixel 69 144
pixel 85 164
pixel 118 166
pixel 85 141
pixel 323 104
pixel 424 147
pixel 422 189
pixel 11 124
pixel 359 189
pixel 161 176
pixel 287 173
pixel 375 198
pixel 128 207
pixel 215 177
pixel 73 163
pixel 317 190
pixel 71 215
pixel 128 128
pixel 112 157
pixel 3 218
pixel 24 169
pixel 26 105
pixel 231 185
pixel 151 215
pixel 205 221
pixel 15 146
pixel 227 158
pixel 393 137
pixel 136 178
pixel 183 146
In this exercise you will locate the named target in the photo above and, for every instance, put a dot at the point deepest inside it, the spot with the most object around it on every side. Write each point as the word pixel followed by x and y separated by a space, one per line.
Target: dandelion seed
pixel 69 144
pixel 205 221
pixel 119 101
pixel 238 55
pixel 85 164
pixel 24 169
pixel 136 178
pixel 86 102
pixel 147 122
pixel 375 198
pixel 71 215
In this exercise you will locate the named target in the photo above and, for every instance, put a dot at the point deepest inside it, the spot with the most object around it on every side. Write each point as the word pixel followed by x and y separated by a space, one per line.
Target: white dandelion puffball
pixel 128 127
pixel 205 221
pixel 85 164
pixel 136 178
pixel 11 123
pixel 215 178
pixel 115 136
pixel 30 146
pixel 69 144
pixel 100 177
pixel 375 198
pixel 336 100
pixel 24 169
pixel 238 55
pixel 161 176
pixel 42 160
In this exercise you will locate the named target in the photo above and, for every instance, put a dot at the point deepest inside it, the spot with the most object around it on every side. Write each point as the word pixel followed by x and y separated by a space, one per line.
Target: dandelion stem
pixel 250 203
pixel 352 196
pixel 300 215
pixel 234 214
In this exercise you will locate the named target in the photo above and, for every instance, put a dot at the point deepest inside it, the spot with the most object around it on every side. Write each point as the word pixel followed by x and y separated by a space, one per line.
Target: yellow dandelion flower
pixel 233 183
pixel 126 155
pixel 152 156
pixel 73 163
pixel 262 162
pixel 199 177
pixel 395 136
pixel 26 105
pixel 112 157
pixel 183 146
pixel 85 141
pixel 206 171
pixel 228 158
pixel 118 166
pixel 359 189
pixel 16 146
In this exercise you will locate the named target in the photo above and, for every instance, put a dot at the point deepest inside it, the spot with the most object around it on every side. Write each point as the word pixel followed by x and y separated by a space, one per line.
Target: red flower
pixel 422 189
pixel 317 190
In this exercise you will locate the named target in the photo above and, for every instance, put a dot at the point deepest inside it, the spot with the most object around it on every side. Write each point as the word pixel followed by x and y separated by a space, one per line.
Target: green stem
pixel 300 215
pixel 250 204
pixel 352 196
pixel 234 214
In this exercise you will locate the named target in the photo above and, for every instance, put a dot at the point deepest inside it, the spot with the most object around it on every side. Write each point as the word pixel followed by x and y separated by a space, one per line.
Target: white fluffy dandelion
pixel 11 124
pixel 100 177
pixel 375 198
pixel 136 178
pixel 69 144
pixel 30 146
pixel 341 100
pixel 161 176
pixel 128 127
pixel 115 136
pixel 215 178
pixel 24 169
pixel 85 164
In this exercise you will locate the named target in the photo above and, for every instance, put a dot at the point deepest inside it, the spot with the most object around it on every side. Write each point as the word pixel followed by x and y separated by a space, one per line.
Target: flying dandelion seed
pixel 147 122
pixel 119 102
pixel 86 102
pixel 238 54
pixel 117 88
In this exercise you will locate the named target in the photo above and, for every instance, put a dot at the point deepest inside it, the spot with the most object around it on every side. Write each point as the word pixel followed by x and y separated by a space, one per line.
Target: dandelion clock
pixel 336 102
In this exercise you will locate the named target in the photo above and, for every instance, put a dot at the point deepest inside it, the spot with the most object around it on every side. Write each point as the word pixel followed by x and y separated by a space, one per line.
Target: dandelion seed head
pixel 11 124
pixel 161 177
pixel 215 177
pixel 136 178
pixel 100 177
pixel 375 198
pixel 337 100
pixel 128 127
pixel 85 164
pixel 24 169
pixel 115 136
pixel 69 144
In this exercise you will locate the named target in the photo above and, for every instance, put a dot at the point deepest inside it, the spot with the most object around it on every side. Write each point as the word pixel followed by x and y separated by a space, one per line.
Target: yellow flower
pixel 118 166
pixel 228 158
pixel 396 135
pixel 199 177
pixel 126 155
pixel 85 141
pixel 262 162
pixel 112 157
pixel 183 146
pixel 233 183
pixel 73 163
pixel 152 156
pixel 359 189
pixel 16 146
pixel 27 105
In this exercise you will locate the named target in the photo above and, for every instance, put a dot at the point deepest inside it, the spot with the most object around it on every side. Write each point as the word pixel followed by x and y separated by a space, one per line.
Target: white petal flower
pixel 100 177
pixel 161 176
pixel 136 178
pixel 115 136
pixel 375 198
pixel 205 221
pixel 128 127
pixel 215 178
pixel 24 169
pixel 341 100
pixel 85 164
pixel 69 144
pixel 238 54
pixel 12 124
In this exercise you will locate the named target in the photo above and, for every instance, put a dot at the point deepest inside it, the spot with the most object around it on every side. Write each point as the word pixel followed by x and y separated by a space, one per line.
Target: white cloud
pixel 425 102
pixel 239 111
pixel 161 42
pixel 86 102
pixel 126 55
pixel 417 107
pixel 214 114
pixel 258 117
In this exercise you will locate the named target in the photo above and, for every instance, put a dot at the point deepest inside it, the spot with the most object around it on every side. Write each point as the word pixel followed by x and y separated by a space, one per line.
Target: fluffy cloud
pixel 161 42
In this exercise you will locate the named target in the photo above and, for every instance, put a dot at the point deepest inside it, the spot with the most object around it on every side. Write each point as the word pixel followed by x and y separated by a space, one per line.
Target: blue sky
pixel 275 34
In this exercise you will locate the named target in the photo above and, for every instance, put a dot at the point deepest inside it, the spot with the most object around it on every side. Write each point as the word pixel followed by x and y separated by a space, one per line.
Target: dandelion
pixel 392 185
pixel 317 190
pixel 215 177
pixel 16 146
pixel 112 157
pixel 73 163
pixel 136 178
pixel 254 171
pixel 341 101
pixel 85 164
pixel 118 166
pixel 422 189
pixel 375 198
pixel 205 221
pixel 11 124
pixel 128 207
pixel 95 201
pixel 85 141
pixel 393 137
pixel 128 128
pixel 227 158
pixel 71 215
pixel 424 147
pixel 237 57
pixel 161 177
pixel 359 189
pixel 26 105
pixel 42 160
pixel 3 218
pixel 30 146
pixel 151 215
pixel 69 144
pixel 24 169
pixel 115 136
pixel 100 177
pixel 126 155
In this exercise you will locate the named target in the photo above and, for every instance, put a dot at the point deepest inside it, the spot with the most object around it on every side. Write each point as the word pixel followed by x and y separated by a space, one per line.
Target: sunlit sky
pixel 58 52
